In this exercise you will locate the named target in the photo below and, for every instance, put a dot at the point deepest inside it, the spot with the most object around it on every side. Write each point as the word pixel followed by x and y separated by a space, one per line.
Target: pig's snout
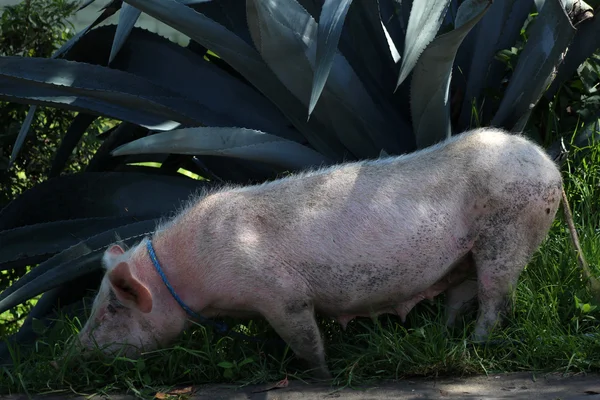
pixel 87 345
pixel 83 342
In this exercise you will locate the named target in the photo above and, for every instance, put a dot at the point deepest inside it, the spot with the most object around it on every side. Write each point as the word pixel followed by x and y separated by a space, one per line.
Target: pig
pixel 361 238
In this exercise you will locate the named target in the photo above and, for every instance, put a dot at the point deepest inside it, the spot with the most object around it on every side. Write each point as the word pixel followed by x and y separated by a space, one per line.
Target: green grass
pixel 553 326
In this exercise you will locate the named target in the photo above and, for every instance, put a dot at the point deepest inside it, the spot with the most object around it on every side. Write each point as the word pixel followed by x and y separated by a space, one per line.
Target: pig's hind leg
pixel 462 294
pixel 459 298
pixel 294 321
pixel 500 254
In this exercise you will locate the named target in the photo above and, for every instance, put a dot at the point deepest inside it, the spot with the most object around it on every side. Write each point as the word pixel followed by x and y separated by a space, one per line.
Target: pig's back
pixel 398 222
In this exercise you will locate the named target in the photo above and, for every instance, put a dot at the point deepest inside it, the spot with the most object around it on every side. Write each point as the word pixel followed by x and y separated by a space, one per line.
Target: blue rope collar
pixel 220 326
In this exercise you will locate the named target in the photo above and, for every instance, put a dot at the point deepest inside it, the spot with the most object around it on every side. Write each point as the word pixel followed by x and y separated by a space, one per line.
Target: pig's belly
pixel 384 261
pixel 365 289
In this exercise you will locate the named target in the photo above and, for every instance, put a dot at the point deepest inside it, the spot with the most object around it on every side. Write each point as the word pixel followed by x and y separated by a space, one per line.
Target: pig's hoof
pixel 322 374
pixel 479 339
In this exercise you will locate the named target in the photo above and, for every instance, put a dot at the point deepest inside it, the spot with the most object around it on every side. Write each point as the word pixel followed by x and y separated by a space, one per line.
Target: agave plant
pixel 262 88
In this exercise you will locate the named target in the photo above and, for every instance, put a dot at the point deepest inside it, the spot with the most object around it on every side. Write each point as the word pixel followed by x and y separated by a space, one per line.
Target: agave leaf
pixel 127 18
pixel 366 45
pixel 284 27
pixel 84 4
pixel 53 237
pixel 395 15
pixel 392 18
pixel 511 32
pixel 284 47
pixel 76 130
pixel 431 77
pixel 585 43
pixel 513 23
pixel 157 59
pixel 23 132
pixel 229 13
pixel 70 84
pixel 548 40
pixel 245 60
pixel 98 194
pixel 72 263
pixel 121 134
pixel 391 45
pixel 241 143
pixel 32 110
pixel 69 43
pixel 285 35
pixel 503 21
pixel 331 23
pixel 425 20
pixel 49 96
pixel 539 4
pixel 192 2
pixel 216 37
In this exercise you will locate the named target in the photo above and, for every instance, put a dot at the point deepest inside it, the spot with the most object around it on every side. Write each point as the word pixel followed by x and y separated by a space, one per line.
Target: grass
pixel 552 326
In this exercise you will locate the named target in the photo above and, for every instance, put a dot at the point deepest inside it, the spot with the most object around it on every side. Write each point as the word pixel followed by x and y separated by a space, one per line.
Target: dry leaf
pixel 175 392
pixel 281 384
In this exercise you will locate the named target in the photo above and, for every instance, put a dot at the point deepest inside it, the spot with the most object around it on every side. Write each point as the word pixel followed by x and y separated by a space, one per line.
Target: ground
pixel 528 385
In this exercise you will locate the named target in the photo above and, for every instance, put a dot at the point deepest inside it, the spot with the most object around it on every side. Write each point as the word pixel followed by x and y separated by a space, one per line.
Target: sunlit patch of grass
pixel 182 171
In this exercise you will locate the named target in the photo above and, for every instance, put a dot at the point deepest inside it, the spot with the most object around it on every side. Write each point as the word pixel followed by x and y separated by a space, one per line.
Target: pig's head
pixel 132 311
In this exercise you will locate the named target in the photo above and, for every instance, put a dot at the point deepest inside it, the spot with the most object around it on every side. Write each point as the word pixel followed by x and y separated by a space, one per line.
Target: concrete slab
pixel 526 385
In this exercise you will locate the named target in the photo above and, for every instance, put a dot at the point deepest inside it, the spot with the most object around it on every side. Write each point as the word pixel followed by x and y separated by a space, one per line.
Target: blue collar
pixel 220 326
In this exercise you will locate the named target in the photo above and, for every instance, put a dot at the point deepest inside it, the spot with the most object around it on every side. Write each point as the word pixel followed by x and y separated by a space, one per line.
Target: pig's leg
pixel 497 277
pixel 462 293
pixel 458 298
pixel 500 254
pixel 295 322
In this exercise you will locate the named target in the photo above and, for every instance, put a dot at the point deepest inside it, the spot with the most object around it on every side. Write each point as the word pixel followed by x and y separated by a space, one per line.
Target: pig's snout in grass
pixel 125 319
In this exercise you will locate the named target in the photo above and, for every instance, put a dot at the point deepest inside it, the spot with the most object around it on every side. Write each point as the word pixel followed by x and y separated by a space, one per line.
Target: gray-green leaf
pixel 243 58
pixel 548 40
pixel 127 18
pixel 32 110
pixel 424 22
pixel 240 143
pixel 22 134
pixel 285 35
pixel 331 23
pixel 431 77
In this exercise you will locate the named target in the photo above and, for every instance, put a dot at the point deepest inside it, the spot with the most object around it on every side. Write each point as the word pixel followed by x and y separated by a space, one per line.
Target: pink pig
pixel 356 239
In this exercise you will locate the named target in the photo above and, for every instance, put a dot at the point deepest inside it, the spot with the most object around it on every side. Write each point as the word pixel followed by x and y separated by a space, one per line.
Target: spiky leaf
pixel 127 18
pixel 425 20
pixel 548 40
pixel 244 59
pixel 331 23
pixel 431 77
pixel 241 143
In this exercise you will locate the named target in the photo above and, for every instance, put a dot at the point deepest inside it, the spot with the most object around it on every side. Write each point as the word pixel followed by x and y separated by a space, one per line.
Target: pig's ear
pixel 129 289
pixel 110 255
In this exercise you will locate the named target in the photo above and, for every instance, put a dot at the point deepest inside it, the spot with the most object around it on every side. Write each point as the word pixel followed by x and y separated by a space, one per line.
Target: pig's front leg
pixel 294 321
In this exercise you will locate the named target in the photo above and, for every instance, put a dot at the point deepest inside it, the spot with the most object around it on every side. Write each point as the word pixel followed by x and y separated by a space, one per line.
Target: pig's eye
pixel 111 309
